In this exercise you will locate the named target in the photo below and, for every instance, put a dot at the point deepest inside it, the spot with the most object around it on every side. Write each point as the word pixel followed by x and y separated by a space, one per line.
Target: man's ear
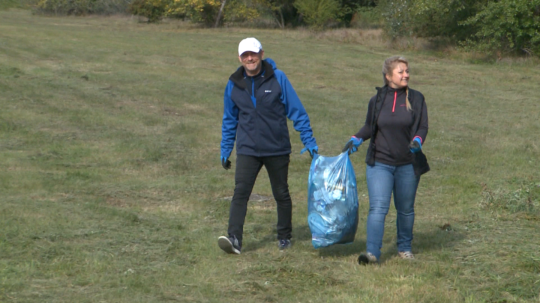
pixel 262 54
pixel 240 59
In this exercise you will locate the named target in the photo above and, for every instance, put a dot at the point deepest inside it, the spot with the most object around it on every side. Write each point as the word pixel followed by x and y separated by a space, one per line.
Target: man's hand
pixel 416 145
pixel 225 162
pixel 352 145
pixel 312 150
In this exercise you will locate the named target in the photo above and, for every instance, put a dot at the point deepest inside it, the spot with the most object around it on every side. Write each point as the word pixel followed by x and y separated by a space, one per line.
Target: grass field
pixel 111 188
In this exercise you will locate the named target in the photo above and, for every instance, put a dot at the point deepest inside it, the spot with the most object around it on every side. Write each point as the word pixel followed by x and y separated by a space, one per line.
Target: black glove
pixel 225 163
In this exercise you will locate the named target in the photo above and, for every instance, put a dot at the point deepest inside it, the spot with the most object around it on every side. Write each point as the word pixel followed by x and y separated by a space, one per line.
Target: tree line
pixel 496 27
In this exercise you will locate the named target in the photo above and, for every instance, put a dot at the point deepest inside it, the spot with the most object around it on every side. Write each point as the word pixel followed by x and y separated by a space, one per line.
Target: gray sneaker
pixel 407 255
pixel 367 258
pixel 229 245
pixel 284 244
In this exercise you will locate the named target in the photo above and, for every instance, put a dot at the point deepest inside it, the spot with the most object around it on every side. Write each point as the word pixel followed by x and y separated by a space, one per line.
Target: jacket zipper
pixel 253 93
pixel 395 97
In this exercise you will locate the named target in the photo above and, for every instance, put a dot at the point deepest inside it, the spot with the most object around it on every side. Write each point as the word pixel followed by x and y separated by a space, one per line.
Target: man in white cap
pixel 257 102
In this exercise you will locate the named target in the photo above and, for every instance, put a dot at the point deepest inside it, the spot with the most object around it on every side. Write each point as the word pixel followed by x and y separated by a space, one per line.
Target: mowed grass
pixel 112 191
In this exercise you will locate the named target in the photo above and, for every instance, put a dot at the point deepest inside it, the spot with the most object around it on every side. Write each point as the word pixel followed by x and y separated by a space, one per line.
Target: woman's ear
pixel 387 77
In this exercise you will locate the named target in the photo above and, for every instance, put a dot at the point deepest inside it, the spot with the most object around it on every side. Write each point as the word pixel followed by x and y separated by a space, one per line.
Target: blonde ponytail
pixel 409 107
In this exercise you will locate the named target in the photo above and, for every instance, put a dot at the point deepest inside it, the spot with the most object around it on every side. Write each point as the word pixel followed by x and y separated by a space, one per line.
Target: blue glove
pixel 352 145
pixel 312 150
pixel 416 145
pixel 225 162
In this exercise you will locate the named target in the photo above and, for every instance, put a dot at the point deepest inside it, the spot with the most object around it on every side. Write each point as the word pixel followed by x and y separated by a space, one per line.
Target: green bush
pixel 206 11
pixel 397 21
pixel 367 17
pixel 491 27
pixel 506 26
pixel 441 18
pixel 153 10
pixel 240 11
pixel 317 13
pixel 24 4
pixel 82 7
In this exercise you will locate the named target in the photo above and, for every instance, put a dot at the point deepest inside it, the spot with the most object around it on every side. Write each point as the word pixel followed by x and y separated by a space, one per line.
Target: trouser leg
pixel 405 186
pixel 380 182
pixel 247 169
pixel 278 171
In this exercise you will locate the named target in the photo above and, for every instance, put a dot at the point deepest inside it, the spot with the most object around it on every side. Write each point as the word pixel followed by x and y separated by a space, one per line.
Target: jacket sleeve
pixel 295 110
pixel 230 122
pixel 365 132
pixel 423 125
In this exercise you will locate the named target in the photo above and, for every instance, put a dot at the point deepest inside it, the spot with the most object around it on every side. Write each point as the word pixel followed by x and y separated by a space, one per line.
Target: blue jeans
pixel 382 181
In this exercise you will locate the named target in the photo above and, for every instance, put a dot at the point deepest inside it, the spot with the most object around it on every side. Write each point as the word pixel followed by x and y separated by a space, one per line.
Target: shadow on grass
pixel 303 233
pixel 300 234
pixel 424 241
pixel 434 239
pixel 343 250
pixel 253 246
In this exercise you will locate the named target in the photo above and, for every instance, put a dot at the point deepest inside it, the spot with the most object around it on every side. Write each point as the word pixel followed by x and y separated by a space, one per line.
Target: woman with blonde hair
pixel 397 126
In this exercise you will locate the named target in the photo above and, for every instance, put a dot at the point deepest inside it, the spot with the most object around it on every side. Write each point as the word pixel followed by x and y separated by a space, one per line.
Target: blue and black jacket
pixel 256 111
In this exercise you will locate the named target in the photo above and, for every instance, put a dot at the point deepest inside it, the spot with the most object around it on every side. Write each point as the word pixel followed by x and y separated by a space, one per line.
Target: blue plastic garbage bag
pixel 332 201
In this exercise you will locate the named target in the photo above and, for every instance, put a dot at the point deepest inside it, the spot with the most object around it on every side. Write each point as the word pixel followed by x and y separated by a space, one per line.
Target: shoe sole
pixel 282 248
pixel 364 260
pixel 406 257
pixel 226 245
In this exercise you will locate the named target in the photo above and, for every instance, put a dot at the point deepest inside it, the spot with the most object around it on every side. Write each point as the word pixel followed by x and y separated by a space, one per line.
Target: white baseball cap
pixel 249 45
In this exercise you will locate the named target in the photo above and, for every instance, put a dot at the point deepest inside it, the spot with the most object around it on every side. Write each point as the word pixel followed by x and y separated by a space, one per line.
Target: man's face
pixel 252 62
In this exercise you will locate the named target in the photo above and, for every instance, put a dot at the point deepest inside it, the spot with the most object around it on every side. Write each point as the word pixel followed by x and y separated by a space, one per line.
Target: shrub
pixel 506 26
pixel 24 4
pixel 397 18
pixel 82 7
pixel 239 11
pixel 198 11
pixel 153 10
pixel 316 13
pixel 441 18
pixel 367 17
pixel 206 11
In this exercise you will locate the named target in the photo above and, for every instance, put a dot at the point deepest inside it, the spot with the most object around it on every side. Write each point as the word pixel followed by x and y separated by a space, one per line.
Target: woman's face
pixel 399 77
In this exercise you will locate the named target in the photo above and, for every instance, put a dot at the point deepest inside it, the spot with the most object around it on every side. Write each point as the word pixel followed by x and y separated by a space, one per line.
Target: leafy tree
pixel 506 26
pixel 428 18
pixel 396 14
pixel 441 18
pixel 153 10
pixel 239 11
pixel 198 11
pixel 79 7
pixel 317 13
pixel 281 10
pixel 351 7
pixel 208 11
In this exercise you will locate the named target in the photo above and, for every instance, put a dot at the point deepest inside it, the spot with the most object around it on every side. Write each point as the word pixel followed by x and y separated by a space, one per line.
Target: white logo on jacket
pixel 267 91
